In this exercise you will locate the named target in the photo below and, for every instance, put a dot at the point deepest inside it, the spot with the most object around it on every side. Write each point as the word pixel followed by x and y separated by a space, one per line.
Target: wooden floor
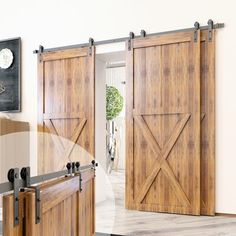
pixel 144 223
pixel 154 224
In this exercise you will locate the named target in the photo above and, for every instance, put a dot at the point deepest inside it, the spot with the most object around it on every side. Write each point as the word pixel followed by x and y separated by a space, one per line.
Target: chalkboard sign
pixel 10 75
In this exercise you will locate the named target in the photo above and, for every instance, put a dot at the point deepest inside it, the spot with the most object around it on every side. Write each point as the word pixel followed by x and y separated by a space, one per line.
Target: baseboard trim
pixel 225 214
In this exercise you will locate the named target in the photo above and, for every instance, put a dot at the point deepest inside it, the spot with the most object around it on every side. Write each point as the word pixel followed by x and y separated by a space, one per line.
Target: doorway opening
pixel 110 82
pixel 110 111
pixel 115 112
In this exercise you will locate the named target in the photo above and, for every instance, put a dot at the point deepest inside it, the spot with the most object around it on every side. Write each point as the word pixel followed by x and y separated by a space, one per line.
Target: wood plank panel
pixel 66 108
pixel 64 54
pixel 129 122
pixel 64 209
pixel 163 132
pixel 86 223
pixel 170 38
pixel 8 216
pixel 207 124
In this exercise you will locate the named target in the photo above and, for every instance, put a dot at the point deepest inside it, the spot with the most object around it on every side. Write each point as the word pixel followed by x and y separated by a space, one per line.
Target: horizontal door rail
pixel 26 180
pixel 209 27
pixel 65 115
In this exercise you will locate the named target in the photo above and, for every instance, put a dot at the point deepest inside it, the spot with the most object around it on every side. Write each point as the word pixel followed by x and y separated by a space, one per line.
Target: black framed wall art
pixel 10 75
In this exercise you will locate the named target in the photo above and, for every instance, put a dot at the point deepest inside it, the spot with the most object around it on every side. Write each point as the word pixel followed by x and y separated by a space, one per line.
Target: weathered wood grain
pixel 207 124
pixel 163 88
pixel 66 108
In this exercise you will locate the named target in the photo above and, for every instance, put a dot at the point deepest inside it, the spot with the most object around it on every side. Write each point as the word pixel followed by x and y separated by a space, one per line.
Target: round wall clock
pixel 6 58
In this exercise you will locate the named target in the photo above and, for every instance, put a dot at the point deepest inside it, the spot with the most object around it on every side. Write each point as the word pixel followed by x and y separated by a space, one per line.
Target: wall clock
pixel 10 73
pixel 6 58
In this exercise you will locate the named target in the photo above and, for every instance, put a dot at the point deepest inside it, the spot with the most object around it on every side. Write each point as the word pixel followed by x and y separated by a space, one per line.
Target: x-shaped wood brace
pixel 65 151
pixel 161 160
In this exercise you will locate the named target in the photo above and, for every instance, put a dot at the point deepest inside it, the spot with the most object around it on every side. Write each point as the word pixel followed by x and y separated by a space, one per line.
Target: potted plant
pixel 114 105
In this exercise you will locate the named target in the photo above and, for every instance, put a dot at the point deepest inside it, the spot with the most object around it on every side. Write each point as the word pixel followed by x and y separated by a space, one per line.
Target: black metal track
pixel 49 176
pixel 9 186
pixel 118 40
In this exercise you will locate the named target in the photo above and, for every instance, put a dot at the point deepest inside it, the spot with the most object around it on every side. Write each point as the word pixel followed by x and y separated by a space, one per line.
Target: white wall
pixel 62 22
pixel 100 113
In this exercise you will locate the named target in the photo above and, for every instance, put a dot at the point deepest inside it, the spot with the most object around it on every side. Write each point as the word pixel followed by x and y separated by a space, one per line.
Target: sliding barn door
pixel 66 108
pixel 163 124
pixel 207 123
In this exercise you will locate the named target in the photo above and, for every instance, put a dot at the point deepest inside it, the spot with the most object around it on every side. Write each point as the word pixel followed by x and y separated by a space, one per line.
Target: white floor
pixel 144 223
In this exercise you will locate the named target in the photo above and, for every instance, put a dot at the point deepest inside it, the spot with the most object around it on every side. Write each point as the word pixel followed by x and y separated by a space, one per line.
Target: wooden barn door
pixel 163 124
pixel 207 123
pixel 66 108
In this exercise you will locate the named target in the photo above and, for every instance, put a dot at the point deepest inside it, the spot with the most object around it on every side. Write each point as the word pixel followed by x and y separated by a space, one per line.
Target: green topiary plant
pixel 114 102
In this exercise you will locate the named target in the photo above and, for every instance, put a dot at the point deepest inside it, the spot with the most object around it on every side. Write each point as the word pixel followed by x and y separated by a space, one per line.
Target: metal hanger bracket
pixel 25 175
pixel 91 43
pixel 210 29
pixel 197 27
pixel 131 37
pixel 13 177
pixel 143 33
